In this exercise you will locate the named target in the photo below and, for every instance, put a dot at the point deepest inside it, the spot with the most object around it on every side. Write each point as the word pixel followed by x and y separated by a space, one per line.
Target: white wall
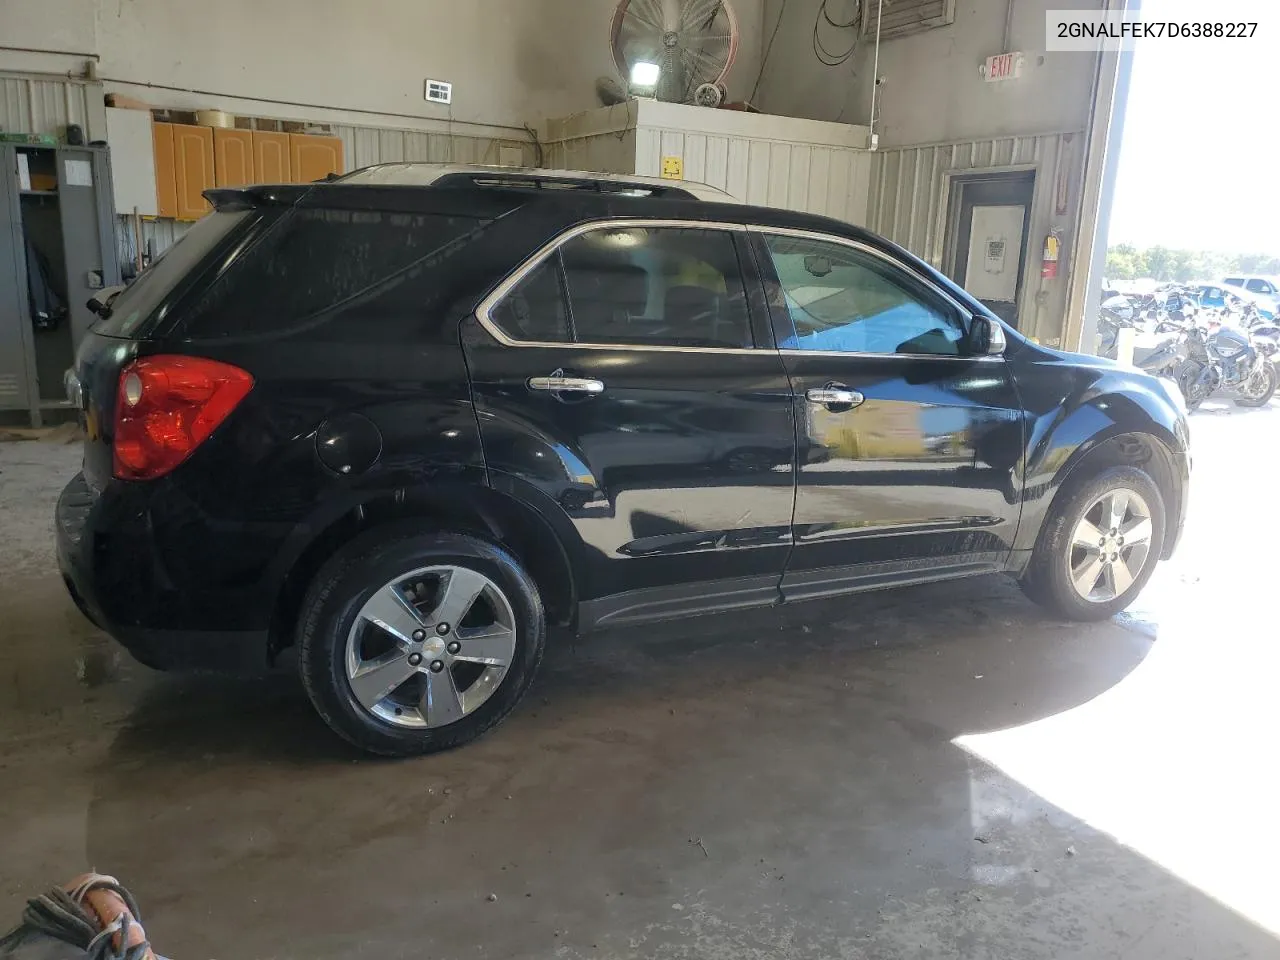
pixel 511 61
pixel 933 91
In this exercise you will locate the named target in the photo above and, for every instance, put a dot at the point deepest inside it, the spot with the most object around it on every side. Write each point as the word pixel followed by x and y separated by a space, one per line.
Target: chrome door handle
pixel 832 395
pixel 566 384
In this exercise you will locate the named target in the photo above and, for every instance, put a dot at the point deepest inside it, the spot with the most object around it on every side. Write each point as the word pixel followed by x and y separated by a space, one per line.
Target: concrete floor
pixel 937 772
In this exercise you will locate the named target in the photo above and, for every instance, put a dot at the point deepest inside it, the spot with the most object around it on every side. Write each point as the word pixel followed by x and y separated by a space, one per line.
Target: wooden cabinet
pixel 166 174
pixel 314 158
pixel 193 162
pixel 271 157
pixel 184 169
pixel 233 164
pixel 191 159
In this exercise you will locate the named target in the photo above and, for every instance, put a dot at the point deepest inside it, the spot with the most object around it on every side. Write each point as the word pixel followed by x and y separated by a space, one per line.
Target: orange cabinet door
pixel 193 156
pixel 233 157
pixel 166 174
pixel 314 158
pixel 271 157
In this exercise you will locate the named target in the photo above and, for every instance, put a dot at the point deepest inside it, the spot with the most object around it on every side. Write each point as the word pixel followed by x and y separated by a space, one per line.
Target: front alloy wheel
pixel 1098 544
pixel 1109 548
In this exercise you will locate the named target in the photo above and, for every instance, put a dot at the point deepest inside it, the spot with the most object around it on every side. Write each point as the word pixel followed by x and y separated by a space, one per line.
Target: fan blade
pixel 647 12
pixel 699 14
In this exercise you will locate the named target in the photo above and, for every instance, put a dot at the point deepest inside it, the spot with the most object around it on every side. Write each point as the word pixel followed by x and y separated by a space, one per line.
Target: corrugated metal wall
pixel 908 204
pixel 31 104
pixel 831 181
pixel 369 145
pixel 601 153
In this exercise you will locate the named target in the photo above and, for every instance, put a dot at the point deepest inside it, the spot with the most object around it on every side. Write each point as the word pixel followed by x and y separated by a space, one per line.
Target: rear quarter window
pixel 143 299
pixel 369 267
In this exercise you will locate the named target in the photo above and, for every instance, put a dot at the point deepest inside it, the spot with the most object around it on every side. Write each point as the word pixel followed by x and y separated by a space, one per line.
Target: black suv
pixel 408 419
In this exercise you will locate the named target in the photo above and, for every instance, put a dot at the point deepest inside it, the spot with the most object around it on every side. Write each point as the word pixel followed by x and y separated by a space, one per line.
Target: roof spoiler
pixel 229 199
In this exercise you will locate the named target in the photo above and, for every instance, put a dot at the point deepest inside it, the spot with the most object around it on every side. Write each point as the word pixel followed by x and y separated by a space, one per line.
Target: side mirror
pixel 988 337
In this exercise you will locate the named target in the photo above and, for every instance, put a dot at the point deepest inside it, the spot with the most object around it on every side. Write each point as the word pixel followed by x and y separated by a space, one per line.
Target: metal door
pixel 988 240
pixel 17 385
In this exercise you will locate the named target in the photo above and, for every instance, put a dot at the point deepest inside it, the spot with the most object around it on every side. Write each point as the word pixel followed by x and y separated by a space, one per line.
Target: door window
pixel 841 299
pixel 1258 286
pixel 535 309
pixel 635 286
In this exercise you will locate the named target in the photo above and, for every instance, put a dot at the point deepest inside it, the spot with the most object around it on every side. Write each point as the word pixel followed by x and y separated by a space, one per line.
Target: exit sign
pixel 1003 66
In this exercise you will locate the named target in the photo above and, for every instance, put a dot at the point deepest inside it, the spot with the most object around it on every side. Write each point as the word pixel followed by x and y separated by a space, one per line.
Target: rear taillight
pixel 166 406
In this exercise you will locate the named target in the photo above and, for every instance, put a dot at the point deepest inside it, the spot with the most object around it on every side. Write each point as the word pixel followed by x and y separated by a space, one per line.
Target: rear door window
pixel 133 306
pixel 634 286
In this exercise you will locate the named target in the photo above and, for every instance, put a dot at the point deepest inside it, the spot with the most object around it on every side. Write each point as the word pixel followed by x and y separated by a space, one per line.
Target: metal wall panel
pixel 907 184
pixel 368 145
pixel 603 152
pixel 831 181
pixel 40 104
pixel 908 204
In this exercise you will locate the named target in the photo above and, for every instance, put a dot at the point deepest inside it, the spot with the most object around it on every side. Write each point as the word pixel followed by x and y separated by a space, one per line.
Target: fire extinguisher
pixel 1049 259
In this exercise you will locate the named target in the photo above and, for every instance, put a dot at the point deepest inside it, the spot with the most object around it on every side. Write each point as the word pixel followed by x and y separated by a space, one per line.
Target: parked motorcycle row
pixel 1232 349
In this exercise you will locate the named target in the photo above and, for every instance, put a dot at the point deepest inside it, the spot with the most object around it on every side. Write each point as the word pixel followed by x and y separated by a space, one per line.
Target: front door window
pixel 841 299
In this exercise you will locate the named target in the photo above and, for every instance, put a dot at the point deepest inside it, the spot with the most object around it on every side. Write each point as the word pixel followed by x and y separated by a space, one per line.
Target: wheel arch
pixel 1146 449
pixel 501 516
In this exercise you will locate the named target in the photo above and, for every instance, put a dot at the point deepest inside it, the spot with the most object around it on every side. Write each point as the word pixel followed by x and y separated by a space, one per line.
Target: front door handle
pixel 834 395
pixel 561 384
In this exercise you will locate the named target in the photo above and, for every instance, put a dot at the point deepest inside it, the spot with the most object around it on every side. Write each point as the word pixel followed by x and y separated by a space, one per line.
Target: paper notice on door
pixel 77 173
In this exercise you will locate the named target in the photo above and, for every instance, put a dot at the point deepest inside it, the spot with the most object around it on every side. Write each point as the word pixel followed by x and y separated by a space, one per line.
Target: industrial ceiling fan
pixel 675 50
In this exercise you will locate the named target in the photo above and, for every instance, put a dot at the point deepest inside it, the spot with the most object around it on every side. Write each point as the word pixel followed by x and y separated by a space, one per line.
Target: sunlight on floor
pixel 1178 760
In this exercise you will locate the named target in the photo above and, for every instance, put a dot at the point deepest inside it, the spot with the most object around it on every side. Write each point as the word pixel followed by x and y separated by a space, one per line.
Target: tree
pixel 1127 262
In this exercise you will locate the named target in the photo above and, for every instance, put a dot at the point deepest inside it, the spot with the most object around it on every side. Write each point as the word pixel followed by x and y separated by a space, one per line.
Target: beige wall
pixel 511 61
pixel 933 92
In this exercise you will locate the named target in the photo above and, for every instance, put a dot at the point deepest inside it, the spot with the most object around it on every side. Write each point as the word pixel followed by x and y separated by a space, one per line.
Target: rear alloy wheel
pixel 418 643
pixel 1098 546
pixel 430 647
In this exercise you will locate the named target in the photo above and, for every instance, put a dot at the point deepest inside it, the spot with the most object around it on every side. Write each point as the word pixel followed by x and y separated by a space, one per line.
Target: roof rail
pixel 415 173
pixel 534 181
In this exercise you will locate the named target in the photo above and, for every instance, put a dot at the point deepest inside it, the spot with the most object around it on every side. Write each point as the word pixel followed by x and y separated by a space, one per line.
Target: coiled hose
pixel 63 916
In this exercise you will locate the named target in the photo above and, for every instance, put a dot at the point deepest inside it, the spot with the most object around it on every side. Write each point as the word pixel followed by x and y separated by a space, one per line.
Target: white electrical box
pixel 995 252
pixel 439 91
pixel 133 161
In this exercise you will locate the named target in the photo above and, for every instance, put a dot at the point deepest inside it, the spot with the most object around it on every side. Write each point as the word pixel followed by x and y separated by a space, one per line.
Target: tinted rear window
pixel 317 265
pixel 139 301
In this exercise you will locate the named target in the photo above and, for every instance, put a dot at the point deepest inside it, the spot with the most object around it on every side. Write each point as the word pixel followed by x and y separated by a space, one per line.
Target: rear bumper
pixel 113 580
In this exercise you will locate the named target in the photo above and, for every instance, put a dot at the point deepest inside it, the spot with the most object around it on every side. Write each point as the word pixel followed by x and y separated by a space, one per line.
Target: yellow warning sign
pixel 673 168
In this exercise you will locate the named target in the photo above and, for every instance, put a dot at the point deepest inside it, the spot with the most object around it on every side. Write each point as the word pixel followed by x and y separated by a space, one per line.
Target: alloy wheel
pixel 1257 384
pixel 430 647
pixel 1110 545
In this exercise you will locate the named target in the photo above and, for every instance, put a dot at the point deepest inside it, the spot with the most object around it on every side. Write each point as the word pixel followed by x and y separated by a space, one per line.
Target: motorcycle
pixel 1224 356
pixel 1161 354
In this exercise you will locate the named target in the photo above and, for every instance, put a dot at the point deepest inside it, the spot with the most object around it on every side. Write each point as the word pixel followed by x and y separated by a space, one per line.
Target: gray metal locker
pixel 57 236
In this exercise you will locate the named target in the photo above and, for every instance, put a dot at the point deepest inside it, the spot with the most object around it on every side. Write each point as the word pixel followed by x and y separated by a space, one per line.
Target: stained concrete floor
pixel 935 772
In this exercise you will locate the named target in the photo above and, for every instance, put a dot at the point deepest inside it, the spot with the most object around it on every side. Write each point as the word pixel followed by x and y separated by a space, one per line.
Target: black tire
pixel 341 589
pixel 1047 580
pixel 1265 397
pixel 1187 375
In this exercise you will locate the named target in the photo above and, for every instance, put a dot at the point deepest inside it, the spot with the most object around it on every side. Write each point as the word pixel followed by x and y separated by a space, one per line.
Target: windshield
pixel 139 300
